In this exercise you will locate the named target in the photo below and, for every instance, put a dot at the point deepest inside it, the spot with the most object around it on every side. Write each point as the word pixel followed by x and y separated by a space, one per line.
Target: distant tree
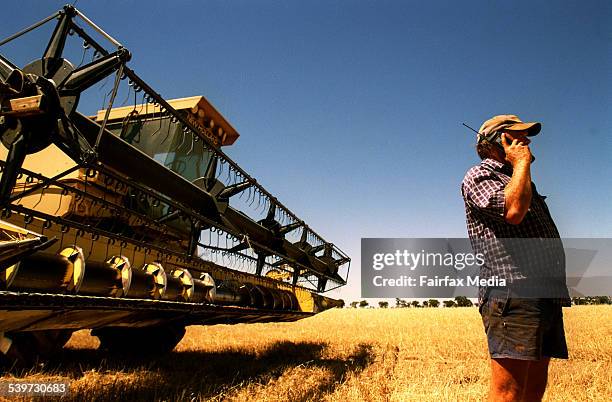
pixel 449 303
pixel 463 301
pixel 383 304
pixel 363 303
pixel 433 303
pixel 341 303
pixel 415 303
pixel 354 304
pixel 602 300
pixel 592 300
pixel 399 303
pixel 425 303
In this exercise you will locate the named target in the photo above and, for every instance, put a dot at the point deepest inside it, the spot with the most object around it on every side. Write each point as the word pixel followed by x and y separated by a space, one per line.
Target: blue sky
pixel 350 111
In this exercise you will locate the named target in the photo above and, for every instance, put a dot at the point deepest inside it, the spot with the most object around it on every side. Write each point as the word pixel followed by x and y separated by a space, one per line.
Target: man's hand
pixel 516 152
pixel 518 191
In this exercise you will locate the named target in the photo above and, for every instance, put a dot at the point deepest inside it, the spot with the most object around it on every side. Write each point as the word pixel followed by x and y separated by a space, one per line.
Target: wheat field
pixel 339 355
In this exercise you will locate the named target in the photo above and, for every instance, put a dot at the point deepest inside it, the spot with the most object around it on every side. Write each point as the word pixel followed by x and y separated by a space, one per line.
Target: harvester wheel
pixel 28 347
pixel 145 341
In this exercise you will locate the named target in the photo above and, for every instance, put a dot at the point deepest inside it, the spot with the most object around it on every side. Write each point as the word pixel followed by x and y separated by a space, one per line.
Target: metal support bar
pixel 291 227
pixel 86 37
pixel 234 189
pixel 296 275
pixel 6 67
pixel 98 29
pixel 14 160
pixel 110 106
pixel 45 183
pixel 321 284
pixel 85 76
pixel 194 238
pixel 56 44
pixel 30 28
pixel 316 249
pixel 261 261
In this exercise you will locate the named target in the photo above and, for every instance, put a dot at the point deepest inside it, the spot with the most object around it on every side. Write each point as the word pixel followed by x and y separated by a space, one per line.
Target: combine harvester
pixel 134 222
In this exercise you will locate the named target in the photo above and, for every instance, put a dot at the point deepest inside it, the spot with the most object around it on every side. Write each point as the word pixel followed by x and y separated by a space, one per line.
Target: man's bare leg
pixel 508 379
pixel 536 380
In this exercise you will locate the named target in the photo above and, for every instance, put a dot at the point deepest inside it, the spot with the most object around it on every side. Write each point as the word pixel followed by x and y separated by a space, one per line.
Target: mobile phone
pixel 493 138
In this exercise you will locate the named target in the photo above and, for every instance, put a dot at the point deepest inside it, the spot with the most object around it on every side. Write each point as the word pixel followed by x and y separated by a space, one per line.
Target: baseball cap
pixel 509 122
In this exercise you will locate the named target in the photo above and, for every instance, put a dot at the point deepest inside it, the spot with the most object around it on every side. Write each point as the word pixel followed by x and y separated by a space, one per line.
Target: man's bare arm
pixel 518 192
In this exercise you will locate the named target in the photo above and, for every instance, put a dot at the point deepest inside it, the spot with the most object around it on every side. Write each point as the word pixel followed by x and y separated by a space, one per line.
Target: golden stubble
pixel 339 355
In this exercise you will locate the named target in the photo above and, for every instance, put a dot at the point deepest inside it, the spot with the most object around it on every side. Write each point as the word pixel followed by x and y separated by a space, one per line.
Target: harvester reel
pixel 56 85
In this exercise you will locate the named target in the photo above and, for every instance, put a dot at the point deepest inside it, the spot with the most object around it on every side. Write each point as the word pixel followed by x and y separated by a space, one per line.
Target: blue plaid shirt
pixel 528 256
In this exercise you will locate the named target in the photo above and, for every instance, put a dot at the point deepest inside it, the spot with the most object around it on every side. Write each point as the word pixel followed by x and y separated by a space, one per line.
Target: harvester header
pixel 137 209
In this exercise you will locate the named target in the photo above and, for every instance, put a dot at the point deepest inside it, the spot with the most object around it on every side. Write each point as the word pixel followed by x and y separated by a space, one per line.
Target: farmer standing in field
pixel 509 223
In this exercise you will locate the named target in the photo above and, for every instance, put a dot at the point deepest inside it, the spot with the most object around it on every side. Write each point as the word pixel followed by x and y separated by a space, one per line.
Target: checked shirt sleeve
pixel 483 191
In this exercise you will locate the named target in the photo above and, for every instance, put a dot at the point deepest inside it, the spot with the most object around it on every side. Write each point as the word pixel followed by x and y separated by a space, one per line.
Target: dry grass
pixel 339 355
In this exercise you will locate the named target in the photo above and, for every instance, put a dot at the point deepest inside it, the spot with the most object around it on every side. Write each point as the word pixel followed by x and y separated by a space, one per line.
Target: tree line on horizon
pixel 462 301
pixel 459 301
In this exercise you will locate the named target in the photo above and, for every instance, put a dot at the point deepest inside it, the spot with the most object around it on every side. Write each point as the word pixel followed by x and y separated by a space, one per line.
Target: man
pixel 509 223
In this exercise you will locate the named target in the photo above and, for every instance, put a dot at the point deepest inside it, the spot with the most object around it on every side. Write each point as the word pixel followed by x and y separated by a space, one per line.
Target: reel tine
pixel 101 87
pixel 45 225
pixel 254 195
pixel 85 49
pixel 134 254
pixel 109 241
pixel 159 118
pixel 78 234
pixel 167 133
pixel 91 245
pixel 182 141
pixel 192 145
pixel 42 193
pixel 59 205
pixel 127 97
